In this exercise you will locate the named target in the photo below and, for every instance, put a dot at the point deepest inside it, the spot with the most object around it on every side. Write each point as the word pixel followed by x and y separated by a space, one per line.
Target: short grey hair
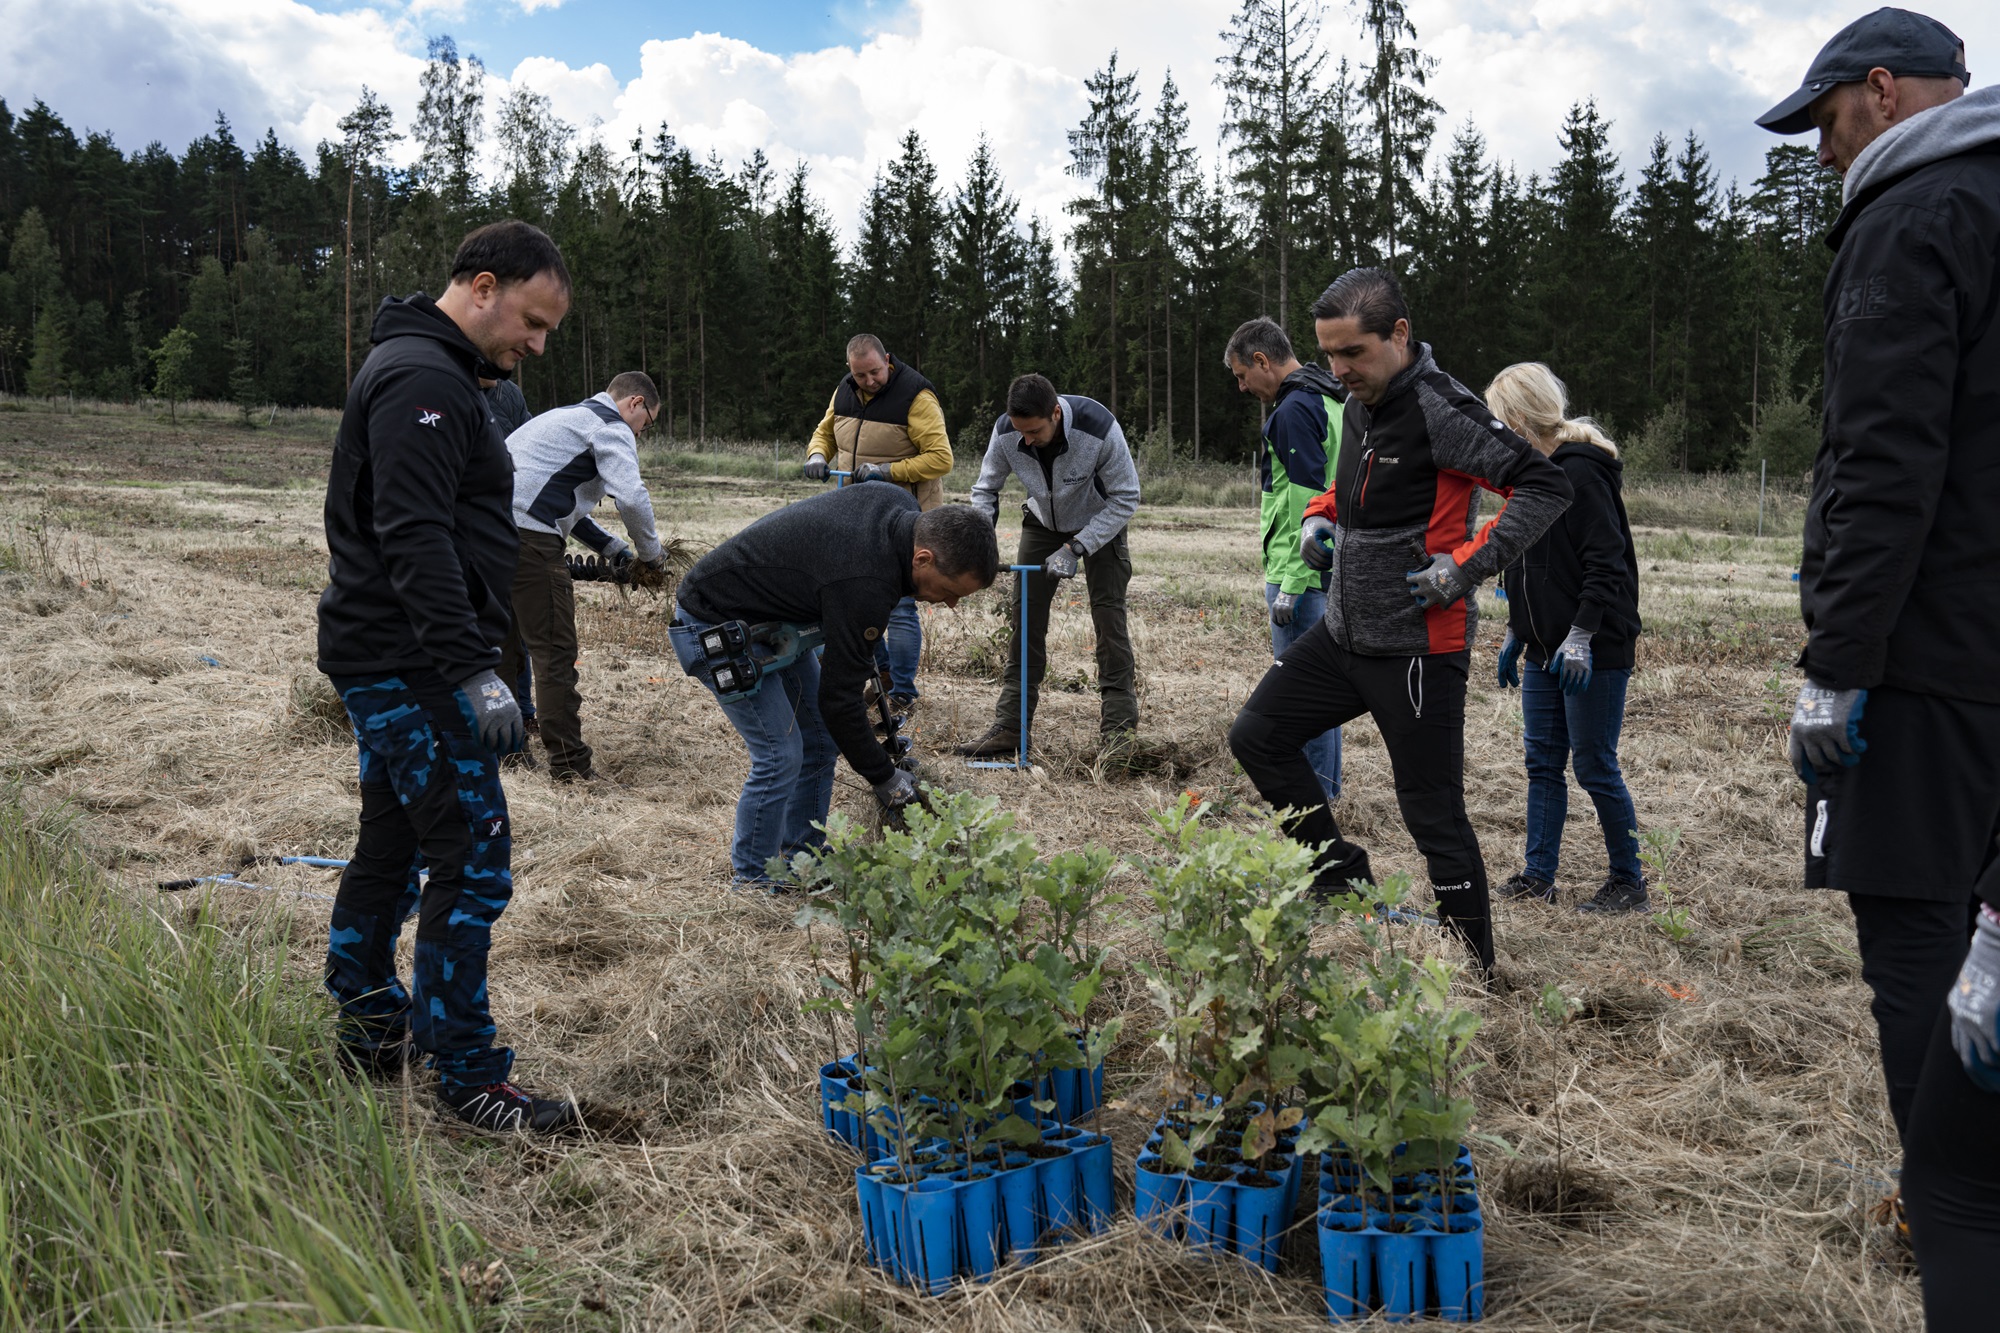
pixel 1261 334
pixel 866 342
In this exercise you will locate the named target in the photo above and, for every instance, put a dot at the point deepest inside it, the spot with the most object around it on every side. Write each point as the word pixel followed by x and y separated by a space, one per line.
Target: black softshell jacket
pixel 420 533
pixel 840 560
pixel 1900 584
pixel 1582 571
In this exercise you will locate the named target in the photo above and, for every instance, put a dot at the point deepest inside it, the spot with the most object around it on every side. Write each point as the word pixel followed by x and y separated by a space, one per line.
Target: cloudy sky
pixel 838 82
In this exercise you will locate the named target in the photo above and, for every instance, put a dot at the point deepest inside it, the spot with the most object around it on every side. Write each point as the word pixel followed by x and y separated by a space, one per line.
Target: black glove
pixel 501 729
pixel 898 791
pixel 815 468
pixel 1826 730
pixel 1061 565
pixel 1314 535
pixel 619 558
pixel 1281 607
pixel 1509 673
pixel 872 472
pixel 1440 583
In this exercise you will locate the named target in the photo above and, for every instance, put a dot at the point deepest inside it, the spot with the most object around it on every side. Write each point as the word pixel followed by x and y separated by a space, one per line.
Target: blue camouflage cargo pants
pixel 430 798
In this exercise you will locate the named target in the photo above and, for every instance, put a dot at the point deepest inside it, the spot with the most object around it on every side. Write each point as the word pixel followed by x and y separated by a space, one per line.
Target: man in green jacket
pixel 1301 441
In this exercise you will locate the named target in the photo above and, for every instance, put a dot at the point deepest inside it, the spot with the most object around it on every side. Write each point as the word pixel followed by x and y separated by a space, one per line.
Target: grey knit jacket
pixel 1097 487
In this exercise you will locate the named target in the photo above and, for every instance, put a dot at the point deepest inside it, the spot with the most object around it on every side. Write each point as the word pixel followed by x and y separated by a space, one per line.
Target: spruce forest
pixel 1682 310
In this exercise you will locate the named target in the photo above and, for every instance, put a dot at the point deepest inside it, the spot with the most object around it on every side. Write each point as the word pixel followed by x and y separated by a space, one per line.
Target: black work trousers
pixel 1911 950
pixel 1418 704
pixel 1951 1187
pixel 1107 572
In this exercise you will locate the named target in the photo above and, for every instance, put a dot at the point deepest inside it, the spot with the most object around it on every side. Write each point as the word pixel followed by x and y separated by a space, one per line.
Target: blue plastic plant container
pixel 877 1246
pixel 1458 1266
pixel 1063 1088
pixel 1258 1220
pixel 979 1240
pixel 1092 1155
pixel 1208 1204
pixel 1056 1190
pixel 1347 1264
pixel 1020 1227
pixel 926 1219
pixel 1402 1266
pixel 839 1122
pixel 1157 1194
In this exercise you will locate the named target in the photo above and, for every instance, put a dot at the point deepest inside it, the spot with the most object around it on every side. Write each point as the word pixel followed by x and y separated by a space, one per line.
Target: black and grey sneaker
pixel 379 1064
pixel 1617 897
pixel 504 1107
pixel 1520 885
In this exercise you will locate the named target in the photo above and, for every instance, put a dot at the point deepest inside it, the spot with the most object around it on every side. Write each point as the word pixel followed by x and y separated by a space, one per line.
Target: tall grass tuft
pixel 175 1151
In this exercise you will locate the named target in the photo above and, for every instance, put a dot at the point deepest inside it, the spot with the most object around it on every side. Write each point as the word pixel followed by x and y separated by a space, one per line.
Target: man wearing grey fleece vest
pixel 565 461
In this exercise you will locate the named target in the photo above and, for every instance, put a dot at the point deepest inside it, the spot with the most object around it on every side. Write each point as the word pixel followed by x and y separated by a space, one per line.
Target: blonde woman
pixel 1572 612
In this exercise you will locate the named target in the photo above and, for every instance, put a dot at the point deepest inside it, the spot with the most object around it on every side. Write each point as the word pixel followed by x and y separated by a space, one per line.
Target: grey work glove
pixel 1314 535
pixel 815 468
pixel 494 709
pixel 1826 730
pixel 1440 583
pixel 898 791
pixel 871 472
pixel 1974 1002
pixel 619 557
pixel 658 563
pixel 1572 661
pixel 1062 564
pixel 1509 672
pixel 1281 607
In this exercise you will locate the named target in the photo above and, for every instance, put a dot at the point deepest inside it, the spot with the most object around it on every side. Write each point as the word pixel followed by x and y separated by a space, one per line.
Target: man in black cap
pixel 1900 587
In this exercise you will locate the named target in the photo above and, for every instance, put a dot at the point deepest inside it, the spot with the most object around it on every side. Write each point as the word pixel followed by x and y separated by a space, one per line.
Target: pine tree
pixel 1169 188
pixel 918 246
pixel 1105 154
pixel 1273 111
pixel 449 125
pixel 1583 292
pixel 1402 118
pixel 171 361
pixel 365 134
pixel 985 268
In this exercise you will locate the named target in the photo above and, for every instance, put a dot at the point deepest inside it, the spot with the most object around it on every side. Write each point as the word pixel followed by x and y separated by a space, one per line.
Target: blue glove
pixel 1282 606
pixel 1572 661
pixel 1826 730
pixel 1316 542
pixel 1440 583
pixel 1974 1002
pixel 871 472
pixel 1509 674
pixel 1062 564
pixel 815 468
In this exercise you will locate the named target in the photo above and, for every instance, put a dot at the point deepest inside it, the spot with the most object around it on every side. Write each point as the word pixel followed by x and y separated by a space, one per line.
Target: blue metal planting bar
pixel 839 477
pixel 1021 573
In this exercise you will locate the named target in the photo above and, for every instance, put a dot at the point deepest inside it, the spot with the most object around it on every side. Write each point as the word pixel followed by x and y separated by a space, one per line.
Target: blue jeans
pixel 1323 750
pixel 791 759
pixel 1582 730
pixel 901 644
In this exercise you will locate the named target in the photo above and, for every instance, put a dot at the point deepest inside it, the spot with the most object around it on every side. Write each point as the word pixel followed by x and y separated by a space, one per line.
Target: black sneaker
pixel 1520 885
pixel 504 1107
pixel 1617 897
pixel 379 1064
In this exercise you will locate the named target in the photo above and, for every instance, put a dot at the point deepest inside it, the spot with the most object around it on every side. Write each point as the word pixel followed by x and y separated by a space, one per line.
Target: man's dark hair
pixel 511 251
pixel 634 381
pixel 1261 334
pixel 866 342
pixel 1031 395
pixel 962 540
pixel 1370 295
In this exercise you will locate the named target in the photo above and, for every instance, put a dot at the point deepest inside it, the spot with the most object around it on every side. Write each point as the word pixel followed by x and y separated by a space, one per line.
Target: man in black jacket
pixel 420 531
pixel 1900 587
pixel 841 561
pixel 1416 447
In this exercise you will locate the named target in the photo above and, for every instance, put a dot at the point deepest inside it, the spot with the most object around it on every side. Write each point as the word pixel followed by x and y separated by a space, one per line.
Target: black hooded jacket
pixel 420 531
pixel 1582 570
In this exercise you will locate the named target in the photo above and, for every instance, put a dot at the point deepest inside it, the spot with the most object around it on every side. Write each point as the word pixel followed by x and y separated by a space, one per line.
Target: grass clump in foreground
pixel 175 1152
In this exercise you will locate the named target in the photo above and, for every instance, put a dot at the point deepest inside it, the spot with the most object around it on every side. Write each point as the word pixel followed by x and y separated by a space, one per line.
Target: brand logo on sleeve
pixel 429 417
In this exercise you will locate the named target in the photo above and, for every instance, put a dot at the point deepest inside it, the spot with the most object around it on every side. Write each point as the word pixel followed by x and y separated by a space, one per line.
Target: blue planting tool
pixel 1021 573
pixel 231 882
pixel 839 478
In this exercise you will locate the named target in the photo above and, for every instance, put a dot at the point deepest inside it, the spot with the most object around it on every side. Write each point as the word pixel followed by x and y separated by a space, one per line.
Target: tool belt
pixel 738 656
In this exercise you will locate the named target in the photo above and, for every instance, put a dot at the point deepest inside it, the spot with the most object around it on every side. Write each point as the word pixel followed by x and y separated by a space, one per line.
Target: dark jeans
pixel 544 631
pixel 1323 751
pixel 430 798
pixel 1418 704
pixel 1560 730
pixel 899 648
pixel 1108 572
pixel 1911 950
pixel 1951 1188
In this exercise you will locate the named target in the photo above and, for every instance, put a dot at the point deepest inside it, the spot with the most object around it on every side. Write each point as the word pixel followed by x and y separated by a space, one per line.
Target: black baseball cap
pixel 1909 46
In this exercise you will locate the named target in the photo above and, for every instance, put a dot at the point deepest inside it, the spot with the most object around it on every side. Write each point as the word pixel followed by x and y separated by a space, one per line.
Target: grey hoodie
pixel 1929 136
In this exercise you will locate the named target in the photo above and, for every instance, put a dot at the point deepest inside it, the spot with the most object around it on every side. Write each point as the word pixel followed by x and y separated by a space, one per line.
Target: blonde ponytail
pixel 1529 398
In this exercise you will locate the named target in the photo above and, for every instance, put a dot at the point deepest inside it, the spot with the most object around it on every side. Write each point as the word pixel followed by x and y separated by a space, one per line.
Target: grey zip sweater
pixel 1096 488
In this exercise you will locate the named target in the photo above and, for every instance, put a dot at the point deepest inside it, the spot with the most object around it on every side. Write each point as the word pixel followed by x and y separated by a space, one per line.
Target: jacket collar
pixel 1420 365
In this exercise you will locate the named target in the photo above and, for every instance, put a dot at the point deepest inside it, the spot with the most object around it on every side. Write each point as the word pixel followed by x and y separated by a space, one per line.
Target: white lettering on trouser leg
pixel 1819 831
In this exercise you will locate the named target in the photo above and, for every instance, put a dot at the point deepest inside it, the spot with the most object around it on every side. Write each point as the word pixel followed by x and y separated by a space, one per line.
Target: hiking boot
pixel 902 703
pixel 997 741
pixel 522 758
pixel 1521 885
pixel 1617 897
pixel 506 1108
pixel 594 778
pixel 377 1064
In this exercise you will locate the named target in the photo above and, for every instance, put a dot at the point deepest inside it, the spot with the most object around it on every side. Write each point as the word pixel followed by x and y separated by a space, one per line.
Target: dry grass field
pixel 1698 1124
